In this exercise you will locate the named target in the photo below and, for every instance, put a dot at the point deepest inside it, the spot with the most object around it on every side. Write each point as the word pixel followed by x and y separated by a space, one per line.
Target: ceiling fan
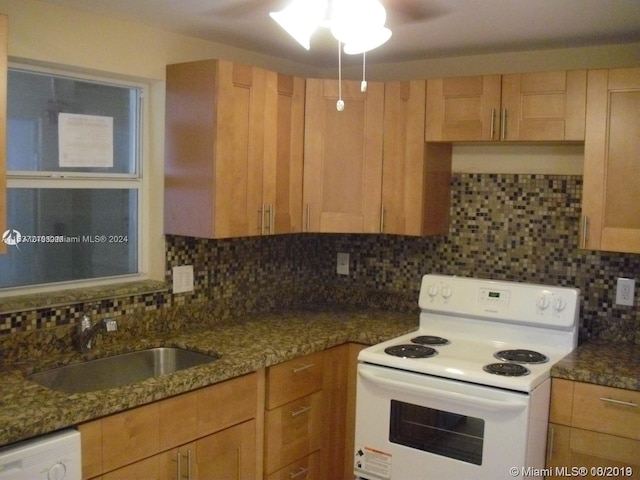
pixel 398 11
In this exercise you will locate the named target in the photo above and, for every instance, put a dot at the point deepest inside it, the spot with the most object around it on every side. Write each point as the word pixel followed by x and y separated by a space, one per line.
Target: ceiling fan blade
pixel 411 11
pixel 240 8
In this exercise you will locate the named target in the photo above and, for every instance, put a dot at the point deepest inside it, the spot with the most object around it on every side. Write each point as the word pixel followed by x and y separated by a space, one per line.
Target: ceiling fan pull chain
pixel 340 102
pixel 363 85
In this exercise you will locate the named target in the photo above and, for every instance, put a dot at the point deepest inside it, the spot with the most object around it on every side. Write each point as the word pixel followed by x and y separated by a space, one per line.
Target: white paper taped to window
pixel 85 140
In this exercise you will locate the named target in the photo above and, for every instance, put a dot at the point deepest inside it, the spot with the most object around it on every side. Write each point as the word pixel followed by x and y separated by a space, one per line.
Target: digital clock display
pixel 494 294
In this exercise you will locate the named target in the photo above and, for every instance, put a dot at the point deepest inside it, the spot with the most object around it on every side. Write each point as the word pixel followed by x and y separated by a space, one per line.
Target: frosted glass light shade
pixel 367 41
pixel 301 18
pixel 359 24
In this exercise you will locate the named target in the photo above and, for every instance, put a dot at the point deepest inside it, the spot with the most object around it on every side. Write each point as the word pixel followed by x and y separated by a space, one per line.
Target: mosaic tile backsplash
pixel 503 226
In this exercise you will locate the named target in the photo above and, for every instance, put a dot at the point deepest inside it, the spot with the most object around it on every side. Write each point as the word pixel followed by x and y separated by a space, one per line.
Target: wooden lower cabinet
pixel 602 455
pixel 294 421
pixel 228 455
pixel 309 468
pixel 207 433
pixel 594 428
pixel 311 436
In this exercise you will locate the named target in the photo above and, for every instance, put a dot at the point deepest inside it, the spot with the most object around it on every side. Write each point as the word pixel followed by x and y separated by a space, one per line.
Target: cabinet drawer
pixel 306 469
pixel 294 379
pixel 292 431
pixel 608 410
pixel 130 436
pixel 228 403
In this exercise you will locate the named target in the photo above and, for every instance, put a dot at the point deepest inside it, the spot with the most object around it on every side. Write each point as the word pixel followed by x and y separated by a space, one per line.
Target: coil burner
pixel 521 356
pixel 506 369
pixel 411 351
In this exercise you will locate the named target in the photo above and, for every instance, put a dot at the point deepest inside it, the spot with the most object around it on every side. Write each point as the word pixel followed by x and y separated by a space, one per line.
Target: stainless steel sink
pixel 119 370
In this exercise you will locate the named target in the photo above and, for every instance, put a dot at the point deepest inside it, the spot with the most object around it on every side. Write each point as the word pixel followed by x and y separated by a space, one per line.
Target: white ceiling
pixel 422 29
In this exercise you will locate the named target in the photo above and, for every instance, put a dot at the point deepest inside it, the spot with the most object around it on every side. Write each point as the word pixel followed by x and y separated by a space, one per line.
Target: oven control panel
pixel 493 297
pixel 515 302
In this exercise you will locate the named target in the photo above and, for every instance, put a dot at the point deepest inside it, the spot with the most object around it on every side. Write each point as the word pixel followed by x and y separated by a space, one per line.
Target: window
pixel 74 185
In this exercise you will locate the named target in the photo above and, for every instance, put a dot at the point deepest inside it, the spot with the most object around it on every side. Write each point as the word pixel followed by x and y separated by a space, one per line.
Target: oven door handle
pixel 486 403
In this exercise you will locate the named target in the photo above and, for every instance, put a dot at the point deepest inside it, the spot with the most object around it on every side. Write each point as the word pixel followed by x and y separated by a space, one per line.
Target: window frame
pixel 136 180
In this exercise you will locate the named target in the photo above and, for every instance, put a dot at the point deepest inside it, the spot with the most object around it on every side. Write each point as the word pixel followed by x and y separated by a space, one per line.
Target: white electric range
pixel 467 394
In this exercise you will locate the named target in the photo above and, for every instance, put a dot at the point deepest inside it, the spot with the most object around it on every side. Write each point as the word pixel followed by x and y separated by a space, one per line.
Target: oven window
pixel 443 433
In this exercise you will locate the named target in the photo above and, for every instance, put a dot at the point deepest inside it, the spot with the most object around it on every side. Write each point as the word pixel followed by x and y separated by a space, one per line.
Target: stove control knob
pixel 543 302
pixel 447 291
pixel 559 304
pixel 57 472
pixel 432 290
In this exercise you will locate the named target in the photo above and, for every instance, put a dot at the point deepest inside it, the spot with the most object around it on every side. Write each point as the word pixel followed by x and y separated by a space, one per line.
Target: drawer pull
pixel 619 402
pixel 299 473
pixel 300 411
pixel 302 368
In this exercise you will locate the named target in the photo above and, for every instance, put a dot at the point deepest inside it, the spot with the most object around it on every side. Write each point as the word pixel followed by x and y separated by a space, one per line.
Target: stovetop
pixel 475 319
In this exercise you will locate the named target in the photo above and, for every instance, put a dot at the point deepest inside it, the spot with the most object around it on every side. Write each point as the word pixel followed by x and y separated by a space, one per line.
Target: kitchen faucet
pixel 87 331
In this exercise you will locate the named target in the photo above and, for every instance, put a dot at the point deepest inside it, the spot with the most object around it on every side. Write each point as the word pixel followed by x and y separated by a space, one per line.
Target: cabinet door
pixel 611 197
pixel 463 109
pixel 416 176
pixel 282 185
pixel 3 125
pixel 240 149
pixel 544 106
pixel 229 454
pixel 343 157
pixel 572 448
pixel 293 431
pixel 217 143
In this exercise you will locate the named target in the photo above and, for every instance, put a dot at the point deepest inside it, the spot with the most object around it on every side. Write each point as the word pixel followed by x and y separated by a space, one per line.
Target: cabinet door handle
pixel 178 459
pixel 503 125
pixel 266 219
pixel 189 464
pixel 300 411
pixel 272 219
pixel 552 432
pixel 301 368
pixel 260 221
pixel 308 217
pixel 619 402
pixel 585 231
pixel 493 122
pixel 382 219
pixel 299 473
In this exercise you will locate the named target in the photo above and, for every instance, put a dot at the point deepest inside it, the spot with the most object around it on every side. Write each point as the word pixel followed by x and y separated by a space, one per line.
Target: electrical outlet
pixel 183 279
pixel 343 264
pixel 625 289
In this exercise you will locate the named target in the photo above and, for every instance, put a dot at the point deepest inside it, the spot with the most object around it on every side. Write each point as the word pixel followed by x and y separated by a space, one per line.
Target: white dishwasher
pixel 55 456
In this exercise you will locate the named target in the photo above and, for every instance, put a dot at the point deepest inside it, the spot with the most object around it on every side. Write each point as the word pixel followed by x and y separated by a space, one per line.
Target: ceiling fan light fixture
pixel 301 19
pixel 351 19
pixel 367 41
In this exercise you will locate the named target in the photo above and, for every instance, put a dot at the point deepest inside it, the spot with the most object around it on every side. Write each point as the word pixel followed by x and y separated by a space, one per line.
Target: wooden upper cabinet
pixel 547 106
pixel 233 152
pixel 4 27
pixel 415 176
pixel 544 106
pixel 463 109
pixel 343 157
pixel 611 197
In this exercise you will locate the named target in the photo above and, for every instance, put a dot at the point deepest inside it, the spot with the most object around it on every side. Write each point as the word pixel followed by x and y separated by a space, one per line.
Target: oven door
pixel 411 426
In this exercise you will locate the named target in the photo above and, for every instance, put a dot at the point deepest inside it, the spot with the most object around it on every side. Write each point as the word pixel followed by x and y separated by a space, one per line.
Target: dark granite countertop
pixel 244 345
pixel 602 362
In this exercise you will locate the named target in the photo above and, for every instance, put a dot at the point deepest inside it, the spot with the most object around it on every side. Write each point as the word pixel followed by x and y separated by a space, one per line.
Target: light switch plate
pixel 183 279
pixel 625 289
pixel 343 264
